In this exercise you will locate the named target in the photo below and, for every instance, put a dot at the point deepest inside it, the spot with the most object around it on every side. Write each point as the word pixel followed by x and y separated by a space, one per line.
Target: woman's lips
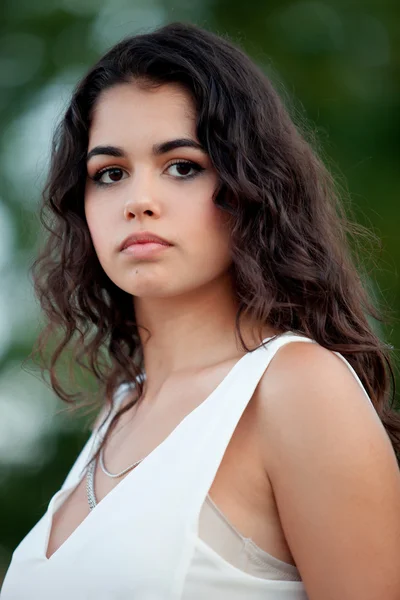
pixel 145 249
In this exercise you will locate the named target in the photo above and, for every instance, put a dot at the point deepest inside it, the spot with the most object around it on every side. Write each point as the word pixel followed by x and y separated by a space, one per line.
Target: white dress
pixel 141 541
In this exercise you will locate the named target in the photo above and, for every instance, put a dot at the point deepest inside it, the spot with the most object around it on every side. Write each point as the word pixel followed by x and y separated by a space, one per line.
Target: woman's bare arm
pixel 334 474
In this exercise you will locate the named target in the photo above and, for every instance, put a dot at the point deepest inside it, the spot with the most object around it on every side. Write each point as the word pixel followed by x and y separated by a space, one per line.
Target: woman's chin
pixel 150 289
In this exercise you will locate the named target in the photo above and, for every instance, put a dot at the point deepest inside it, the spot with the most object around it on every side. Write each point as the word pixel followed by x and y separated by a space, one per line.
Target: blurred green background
pixel 338 59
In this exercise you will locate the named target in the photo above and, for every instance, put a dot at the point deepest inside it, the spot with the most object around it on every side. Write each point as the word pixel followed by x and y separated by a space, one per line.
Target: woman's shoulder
pixel 332 469
pixel 297 366
pixel 310 385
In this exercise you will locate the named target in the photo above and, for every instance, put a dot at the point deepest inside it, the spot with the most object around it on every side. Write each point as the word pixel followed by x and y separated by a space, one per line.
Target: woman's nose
pixel 141 202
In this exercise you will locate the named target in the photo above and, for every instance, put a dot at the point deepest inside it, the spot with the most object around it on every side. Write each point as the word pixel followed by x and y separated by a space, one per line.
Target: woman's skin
pixel 309 474
pixel 183 295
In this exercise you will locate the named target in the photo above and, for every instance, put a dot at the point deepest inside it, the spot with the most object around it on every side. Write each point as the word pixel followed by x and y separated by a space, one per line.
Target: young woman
pixel 246 448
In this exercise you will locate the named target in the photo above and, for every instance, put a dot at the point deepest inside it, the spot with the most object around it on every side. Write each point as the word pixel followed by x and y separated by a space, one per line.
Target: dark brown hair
pixel 293 264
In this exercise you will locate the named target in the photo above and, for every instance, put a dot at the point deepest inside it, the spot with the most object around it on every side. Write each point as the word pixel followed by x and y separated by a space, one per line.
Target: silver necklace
pixel 90 493
pixel 91 496
pixel 115 475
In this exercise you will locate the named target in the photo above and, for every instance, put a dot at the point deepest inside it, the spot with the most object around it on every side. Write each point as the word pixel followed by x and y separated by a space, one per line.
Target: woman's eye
pixel 183 166
pixel 111 175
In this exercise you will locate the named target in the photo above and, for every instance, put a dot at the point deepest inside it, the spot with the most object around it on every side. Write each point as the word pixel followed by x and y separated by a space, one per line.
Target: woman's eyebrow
pixel 157 149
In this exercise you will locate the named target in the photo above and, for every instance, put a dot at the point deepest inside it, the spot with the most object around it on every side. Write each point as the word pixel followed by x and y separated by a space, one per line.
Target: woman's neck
pixel 192 332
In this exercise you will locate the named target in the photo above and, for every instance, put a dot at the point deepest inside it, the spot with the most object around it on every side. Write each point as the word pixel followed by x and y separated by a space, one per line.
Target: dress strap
pixel 222 418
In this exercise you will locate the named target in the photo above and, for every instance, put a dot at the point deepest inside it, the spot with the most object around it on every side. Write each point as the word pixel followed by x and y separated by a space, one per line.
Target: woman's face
pixel 133 188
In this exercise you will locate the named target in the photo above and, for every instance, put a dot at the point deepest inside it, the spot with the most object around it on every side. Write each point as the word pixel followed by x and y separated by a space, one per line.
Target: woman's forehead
pixel 126 111
pixel 167 100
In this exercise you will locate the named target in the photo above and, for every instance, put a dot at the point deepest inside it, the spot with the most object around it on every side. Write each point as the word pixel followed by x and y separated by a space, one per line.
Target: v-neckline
pixel 49 515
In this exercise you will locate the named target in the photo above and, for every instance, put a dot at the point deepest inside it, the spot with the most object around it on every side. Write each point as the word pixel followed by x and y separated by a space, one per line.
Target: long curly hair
pixel 294 266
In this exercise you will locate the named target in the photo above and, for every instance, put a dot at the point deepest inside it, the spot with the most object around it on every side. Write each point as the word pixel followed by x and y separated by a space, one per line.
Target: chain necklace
pixel 91 496
pixel 115 475
pixel 90 493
